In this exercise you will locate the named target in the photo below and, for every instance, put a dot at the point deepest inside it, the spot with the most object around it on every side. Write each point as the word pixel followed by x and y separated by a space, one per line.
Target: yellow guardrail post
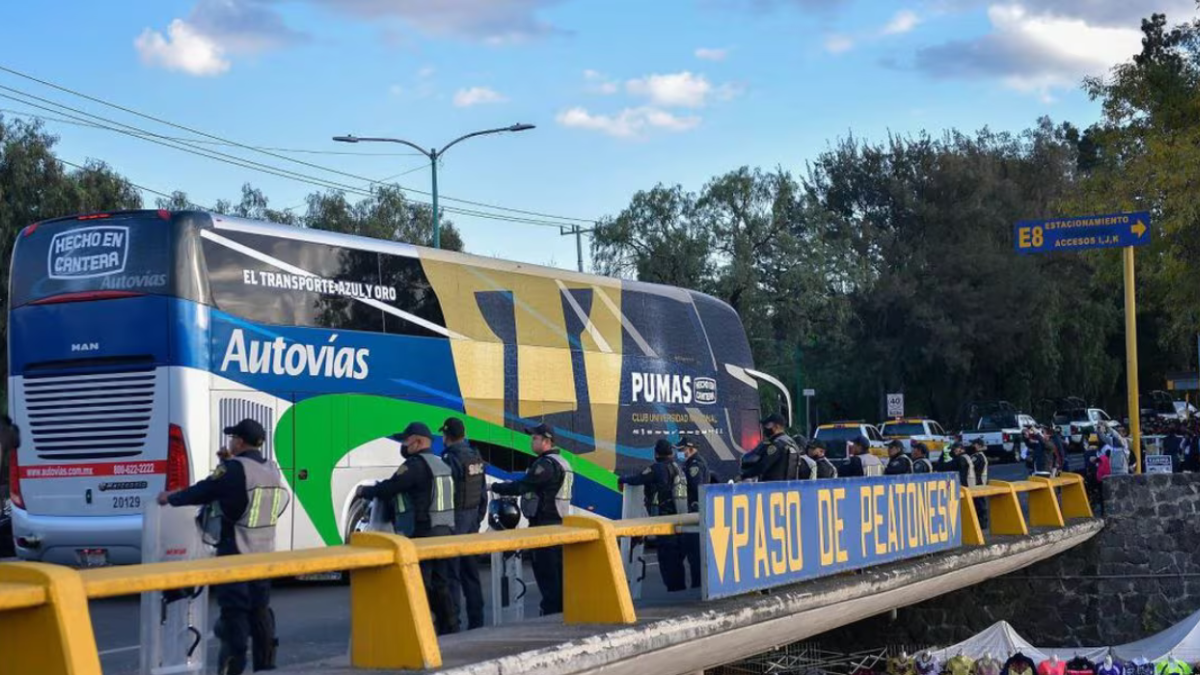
pixel 54 638
pixel 1075 502
pixel 972 533
pixel 391 626
pixel 1004 511
pixel 1043 504
pixel 594 584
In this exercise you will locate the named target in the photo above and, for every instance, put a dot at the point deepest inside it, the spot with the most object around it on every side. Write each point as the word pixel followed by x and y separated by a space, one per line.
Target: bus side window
pixel 505 459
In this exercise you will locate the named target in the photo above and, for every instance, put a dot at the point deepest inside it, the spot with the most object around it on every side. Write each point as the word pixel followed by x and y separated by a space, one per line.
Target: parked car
pixel 1078 425
pixel 911 430
pixel 837 436
pixel 999 424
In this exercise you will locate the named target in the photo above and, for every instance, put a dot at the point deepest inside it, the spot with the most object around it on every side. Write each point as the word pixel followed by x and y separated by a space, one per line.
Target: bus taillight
pixel 178 470
pixel 14 480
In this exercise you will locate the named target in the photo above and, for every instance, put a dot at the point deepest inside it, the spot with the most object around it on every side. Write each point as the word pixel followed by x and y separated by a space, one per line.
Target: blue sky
pixel 624 93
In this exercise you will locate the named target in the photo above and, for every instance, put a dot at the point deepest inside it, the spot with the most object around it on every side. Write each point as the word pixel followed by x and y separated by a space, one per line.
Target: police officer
pixel 862 462
pixel 898 463
pixel 666 494
pixel 921 463
pixel 962 465
pixel 470 507
pixel 545 492
pixel 825 468
pixel 979 464
pixel 421 493
pixel 244 497
pixel 776 458
pixel 696 471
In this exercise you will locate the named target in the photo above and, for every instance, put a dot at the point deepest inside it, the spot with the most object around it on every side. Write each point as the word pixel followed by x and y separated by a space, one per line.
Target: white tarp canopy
pixel 1181 641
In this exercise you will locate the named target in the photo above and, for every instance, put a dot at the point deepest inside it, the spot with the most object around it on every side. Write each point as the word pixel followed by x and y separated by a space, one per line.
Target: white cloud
pixel 465 98
pixel 683 89
pixel 1033 52
pixel 599 83
pixel 183 49
pixel 838 44
pixel 426 72
pixel 904 21
pixel 629 123
pixel 710 54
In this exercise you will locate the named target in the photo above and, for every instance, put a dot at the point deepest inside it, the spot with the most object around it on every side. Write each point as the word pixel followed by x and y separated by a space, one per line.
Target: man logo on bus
pixel 672 389
pixel 88 252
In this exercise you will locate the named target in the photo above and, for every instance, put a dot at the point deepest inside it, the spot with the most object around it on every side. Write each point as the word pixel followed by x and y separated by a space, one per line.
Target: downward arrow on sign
pixel 718 536
pixel 953 506
pixel 1138 228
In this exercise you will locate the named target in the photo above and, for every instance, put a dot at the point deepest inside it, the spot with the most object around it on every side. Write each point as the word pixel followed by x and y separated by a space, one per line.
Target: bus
pixel 136 337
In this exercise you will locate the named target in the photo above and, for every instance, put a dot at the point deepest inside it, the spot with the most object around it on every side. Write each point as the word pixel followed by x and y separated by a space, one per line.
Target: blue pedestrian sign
pixel 1085 232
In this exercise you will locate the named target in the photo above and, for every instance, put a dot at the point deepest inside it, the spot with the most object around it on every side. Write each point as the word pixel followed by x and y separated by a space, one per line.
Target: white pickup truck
pixel 1078 425
pixel 1002 434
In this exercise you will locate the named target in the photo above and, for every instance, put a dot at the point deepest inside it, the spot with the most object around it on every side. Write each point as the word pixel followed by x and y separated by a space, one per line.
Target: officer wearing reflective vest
pixel 921 463
pixel 977 453
pixel 545 492
pixel 666 494
pixel 421 493
pixel 243 499
pixel 695 469
pixel 776 458
pixel 862 462
pixel 816 452
pixel 470 507
pixel 898 462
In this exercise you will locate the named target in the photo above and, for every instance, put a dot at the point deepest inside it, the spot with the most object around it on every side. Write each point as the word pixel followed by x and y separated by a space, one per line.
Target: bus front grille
pixel 90 416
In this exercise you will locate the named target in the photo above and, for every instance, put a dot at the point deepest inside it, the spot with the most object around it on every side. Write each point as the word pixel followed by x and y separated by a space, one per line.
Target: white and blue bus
pixel 135 337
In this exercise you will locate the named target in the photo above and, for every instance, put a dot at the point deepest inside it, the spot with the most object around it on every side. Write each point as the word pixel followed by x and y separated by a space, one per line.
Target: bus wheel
pixel 355 522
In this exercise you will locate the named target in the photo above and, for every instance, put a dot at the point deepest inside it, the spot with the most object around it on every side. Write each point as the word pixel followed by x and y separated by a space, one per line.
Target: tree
pixel 35 186
pixel 657 239
pixel 387 214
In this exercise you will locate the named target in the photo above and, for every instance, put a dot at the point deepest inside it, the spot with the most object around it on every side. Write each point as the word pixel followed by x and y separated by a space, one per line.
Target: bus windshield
pixel 122 253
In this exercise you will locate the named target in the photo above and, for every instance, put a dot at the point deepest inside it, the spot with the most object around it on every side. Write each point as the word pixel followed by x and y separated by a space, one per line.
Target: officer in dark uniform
pixel 695 469
pixel 245 477
pixel 961 464
pixel 545 492
pixel 977 453
pixel 899 463
pixel 470 507
pixel 422 496
pixel 825 468
pixel 776 458
pixel 920 455
pixel 666 494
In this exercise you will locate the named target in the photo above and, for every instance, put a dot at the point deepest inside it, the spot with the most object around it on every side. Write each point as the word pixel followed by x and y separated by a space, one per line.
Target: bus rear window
pixel 128 253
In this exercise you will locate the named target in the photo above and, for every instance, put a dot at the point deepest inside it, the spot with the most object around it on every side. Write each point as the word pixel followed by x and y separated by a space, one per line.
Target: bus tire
pixel 356 519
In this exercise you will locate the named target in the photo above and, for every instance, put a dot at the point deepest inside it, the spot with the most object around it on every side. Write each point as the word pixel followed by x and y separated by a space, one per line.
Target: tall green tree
pixel 35 186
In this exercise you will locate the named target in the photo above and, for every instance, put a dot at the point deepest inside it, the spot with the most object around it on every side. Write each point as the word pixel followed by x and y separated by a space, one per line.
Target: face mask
pixel 680 456
pixel 403 450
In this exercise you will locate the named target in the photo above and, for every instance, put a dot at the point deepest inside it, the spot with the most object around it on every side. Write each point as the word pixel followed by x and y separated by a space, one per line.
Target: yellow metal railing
pixel 46 628
pixel 1004 508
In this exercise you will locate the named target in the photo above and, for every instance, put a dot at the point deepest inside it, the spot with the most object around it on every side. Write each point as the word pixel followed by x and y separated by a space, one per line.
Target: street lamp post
pixel 434 154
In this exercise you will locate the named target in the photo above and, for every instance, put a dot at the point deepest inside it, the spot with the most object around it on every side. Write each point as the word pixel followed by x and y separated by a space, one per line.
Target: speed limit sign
pixel 895 405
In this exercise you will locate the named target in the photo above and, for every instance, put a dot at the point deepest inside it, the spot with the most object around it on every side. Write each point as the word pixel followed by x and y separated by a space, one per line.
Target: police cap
pixel 685 442
pixel 453 427
pixel 541 430
pixel 249 431
pixel 414 429
pixel 773 418
pixel 896 444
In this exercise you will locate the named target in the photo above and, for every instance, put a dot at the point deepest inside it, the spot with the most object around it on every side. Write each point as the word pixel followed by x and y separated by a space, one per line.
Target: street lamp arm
pixel 401 141
pixel 473 134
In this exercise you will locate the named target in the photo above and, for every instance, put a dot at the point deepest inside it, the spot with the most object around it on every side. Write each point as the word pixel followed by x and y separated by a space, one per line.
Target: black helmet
pixel 503 514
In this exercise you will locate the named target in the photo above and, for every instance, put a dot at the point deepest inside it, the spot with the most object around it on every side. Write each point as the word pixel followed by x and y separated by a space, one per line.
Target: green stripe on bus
pixel 324 429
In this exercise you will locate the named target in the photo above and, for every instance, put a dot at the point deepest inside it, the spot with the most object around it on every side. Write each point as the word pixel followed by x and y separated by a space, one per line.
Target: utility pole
pixel 578 232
